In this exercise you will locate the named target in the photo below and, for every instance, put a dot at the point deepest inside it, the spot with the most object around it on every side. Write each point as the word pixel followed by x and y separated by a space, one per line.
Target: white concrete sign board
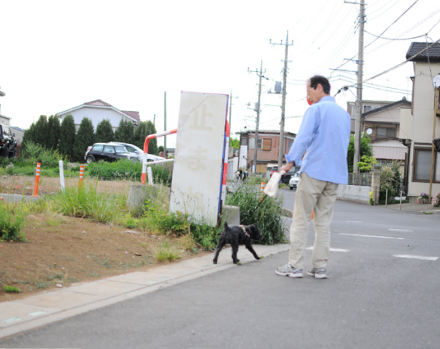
pixel 198 159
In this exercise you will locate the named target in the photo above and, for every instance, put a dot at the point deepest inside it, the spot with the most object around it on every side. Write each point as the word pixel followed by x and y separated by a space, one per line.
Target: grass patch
pixel 12 221
pixel 11 289
pixel 166 253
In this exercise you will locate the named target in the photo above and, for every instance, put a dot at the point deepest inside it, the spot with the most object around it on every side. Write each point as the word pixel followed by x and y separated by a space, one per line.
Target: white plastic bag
pixel 271 188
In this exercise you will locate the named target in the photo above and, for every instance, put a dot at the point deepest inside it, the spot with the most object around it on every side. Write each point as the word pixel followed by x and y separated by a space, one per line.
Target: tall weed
pixel 267 216
pixel 88 203
pixel 12 220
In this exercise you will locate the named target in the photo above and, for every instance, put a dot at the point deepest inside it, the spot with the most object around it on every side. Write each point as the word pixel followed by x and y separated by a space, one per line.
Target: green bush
pixel 205 235
pixel 267 216
pixel 37 153
pixel 12 220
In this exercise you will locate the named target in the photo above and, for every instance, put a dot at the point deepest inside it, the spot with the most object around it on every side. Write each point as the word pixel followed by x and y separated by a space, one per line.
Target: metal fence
pixel 361 179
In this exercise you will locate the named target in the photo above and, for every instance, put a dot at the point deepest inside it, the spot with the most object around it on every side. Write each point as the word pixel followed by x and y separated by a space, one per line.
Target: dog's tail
pixel 226 225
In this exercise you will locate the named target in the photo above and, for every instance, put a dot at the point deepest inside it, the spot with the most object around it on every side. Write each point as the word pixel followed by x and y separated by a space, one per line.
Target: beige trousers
pixel 320 197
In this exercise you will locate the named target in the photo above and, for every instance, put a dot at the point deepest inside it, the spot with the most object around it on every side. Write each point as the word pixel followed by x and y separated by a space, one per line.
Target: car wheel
pixel 89 159
pixel 291 188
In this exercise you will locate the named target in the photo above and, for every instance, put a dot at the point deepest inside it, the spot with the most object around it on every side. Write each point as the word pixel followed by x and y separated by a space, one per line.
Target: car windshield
pixel 120 149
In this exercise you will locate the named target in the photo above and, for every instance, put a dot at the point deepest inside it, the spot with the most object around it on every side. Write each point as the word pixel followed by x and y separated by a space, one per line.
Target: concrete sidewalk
pixel 47 307
pixel 414 207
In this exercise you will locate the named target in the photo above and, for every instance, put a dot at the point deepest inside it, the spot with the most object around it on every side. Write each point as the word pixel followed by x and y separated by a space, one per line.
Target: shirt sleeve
pixel 307 130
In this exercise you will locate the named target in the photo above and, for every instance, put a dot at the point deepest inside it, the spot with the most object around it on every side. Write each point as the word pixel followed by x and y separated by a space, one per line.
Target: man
pixel 320 147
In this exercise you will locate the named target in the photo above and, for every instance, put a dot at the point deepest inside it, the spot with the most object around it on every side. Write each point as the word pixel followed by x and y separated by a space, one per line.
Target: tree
pixel 234 143
pixel 83 139
pixel 41 131
pixel 366 163
pixel 125 132
pixel 67 136
pixel 27 137
pixel 54 132
pixel 366 149
pixel 144 129
pixel 104 132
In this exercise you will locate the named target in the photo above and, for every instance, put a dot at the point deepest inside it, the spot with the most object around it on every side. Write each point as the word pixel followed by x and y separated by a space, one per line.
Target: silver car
pixel 131 148
pixel 293 182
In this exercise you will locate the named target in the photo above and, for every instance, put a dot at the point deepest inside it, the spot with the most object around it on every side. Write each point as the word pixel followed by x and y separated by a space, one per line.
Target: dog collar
pixel 244 229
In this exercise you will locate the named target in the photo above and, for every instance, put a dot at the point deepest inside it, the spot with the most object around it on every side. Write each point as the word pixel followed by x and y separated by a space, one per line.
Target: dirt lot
pixel 63 250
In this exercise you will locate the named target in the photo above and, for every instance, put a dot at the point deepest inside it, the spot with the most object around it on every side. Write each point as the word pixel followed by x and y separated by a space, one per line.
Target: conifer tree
pixel 67 136
pixel 28 136
pixel 144 129
pixel 54 132
pixel 84 137
pixel 125 132
pixel 41 131
pixel 104 132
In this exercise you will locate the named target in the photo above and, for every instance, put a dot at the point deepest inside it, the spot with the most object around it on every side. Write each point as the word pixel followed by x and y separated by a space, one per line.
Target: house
pixel 417 124
pixel 97 111
pixel 267 148
pixel 381 122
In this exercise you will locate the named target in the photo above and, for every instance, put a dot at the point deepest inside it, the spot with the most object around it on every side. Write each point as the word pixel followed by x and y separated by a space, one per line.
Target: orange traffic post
pixel 313 214
pixel 263 185
pixel 37 179
pixel 81 175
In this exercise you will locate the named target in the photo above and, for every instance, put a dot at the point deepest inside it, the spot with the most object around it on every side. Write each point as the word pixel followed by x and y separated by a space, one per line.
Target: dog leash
pixel 244 229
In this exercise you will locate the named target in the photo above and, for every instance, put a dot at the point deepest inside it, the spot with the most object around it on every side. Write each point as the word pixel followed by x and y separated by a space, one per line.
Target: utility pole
pixel 360 62
pixel 283 105
pixel 257 109
pixel 165 124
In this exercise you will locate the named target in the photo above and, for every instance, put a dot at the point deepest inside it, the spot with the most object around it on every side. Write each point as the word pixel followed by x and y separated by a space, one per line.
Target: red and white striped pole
pixel 81 175
pixel 37 180
pixel 225 164
pixel 147 140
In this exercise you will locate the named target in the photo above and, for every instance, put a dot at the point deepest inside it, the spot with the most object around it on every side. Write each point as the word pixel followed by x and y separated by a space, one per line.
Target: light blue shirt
pixel 323 136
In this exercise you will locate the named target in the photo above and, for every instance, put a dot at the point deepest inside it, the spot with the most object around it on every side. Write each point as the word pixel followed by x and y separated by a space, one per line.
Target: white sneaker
pixel 288 270
pixel 318 273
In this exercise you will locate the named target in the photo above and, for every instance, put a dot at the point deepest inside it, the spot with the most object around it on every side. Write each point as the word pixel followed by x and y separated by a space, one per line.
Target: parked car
pixel 293 182
pixel 139 152
pixel 274 169
pixel 8 145
pixel 108 152
pixel 286 178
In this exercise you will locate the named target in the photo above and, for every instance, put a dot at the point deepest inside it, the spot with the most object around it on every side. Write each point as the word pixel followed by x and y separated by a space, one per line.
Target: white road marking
pixel 373 236
pixel 354 222
pixel 402 230
pixel 331 249
pixel 415 257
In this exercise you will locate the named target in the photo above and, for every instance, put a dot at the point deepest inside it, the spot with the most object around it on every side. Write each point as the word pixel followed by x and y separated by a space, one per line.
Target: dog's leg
pixel 221 243
pixel 235 260
pixel 251 249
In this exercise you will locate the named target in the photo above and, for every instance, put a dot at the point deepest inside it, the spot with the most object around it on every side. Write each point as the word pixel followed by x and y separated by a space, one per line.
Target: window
pixel 384 132
pixel 422 165
pixel 267 144
pixel 367 108
pixel 109 149
pixel 98 147
pixel 252 143
pixel 243 141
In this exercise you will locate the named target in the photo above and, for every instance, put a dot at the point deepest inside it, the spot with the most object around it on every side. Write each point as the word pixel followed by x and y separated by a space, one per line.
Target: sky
pixel 55 55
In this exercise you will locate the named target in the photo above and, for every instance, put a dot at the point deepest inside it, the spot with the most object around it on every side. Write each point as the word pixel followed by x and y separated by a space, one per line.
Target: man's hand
pixel 287 167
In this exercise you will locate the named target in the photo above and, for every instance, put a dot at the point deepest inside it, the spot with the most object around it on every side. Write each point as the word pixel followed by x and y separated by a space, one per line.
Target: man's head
pixel 317 87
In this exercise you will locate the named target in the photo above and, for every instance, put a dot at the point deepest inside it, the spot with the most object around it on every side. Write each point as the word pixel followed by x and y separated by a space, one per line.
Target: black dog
pixel 238 235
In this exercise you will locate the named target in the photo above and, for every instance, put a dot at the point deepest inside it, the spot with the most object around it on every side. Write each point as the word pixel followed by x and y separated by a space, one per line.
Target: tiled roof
pixel 403 102
pixel 433 52
pixel 133 114
pixel 98 103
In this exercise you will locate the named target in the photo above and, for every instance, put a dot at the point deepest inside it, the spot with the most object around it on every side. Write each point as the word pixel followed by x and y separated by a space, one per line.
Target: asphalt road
pixel 375 297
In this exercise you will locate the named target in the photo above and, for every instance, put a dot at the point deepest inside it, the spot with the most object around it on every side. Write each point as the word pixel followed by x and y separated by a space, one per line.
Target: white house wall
pixel 96 115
